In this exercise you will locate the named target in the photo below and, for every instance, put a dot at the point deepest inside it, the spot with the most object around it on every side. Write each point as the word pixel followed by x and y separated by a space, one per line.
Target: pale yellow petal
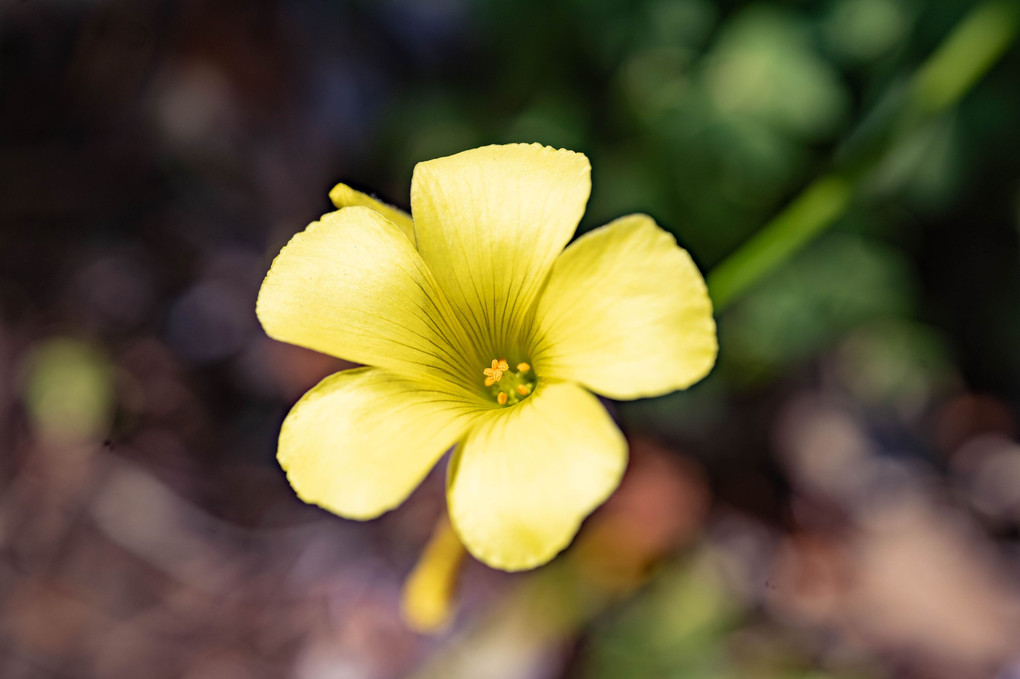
pixel 427 602
pixel 344 196
pixel 626 313
pixel 360 441
pixel 490 222
pixel 351 285
pixel 526 476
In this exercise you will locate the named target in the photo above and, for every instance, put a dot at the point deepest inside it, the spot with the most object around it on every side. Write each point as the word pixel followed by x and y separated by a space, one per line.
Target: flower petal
pixel 490 222
pixel 427 602
pixel 351 285
pixel 526 476
pixel 344 196
pixel 361 440
pixel 626 313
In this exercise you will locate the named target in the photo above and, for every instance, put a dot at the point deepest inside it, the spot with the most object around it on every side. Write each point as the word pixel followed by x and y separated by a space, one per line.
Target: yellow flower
pixel 482 331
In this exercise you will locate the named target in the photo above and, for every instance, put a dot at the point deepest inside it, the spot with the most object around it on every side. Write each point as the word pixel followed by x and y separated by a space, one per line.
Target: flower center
pixel 508 386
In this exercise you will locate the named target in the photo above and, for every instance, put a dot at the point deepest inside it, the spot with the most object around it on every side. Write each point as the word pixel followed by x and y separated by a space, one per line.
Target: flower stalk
pixel 971 49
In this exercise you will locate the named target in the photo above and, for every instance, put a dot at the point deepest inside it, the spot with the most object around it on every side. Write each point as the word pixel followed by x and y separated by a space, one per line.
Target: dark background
pixel 839 499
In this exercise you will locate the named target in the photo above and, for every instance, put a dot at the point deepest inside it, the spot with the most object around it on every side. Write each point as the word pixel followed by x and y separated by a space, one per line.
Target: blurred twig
pixel 971 49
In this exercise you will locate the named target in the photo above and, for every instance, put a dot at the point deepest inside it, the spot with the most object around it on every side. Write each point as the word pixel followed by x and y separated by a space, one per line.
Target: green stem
pixel 973 47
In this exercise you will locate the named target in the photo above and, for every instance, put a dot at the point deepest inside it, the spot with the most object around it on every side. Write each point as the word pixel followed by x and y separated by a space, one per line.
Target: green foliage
pixel 684 626
pixel 67 391
pixel 837 284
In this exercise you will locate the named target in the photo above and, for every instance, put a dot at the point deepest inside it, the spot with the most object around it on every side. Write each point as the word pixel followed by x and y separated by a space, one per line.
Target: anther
pixel 507 385
pixel 495 373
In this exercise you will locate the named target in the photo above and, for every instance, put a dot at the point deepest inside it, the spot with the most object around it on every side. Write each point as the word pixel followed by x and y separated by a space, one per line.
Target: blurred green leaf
pixel 863 30
pixel 838 283
pixel 68 391
pixel 764 67
pixel 895 365
pixel 676 628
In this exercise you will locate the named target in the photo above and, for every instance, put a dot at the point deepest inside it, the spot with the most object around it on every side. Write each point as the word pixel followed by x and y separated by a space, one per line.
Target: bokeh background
pixel 840 499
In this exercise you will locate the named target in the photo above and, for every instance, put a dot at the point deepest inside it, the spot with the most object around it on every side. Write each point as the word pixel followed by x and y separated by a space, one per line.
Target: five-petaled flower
pixel 482 331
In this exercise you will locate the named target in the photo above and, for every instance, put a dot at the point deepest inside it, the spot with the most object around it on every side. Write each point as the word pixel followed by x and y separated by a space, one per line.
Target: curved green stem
pixel 973 47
